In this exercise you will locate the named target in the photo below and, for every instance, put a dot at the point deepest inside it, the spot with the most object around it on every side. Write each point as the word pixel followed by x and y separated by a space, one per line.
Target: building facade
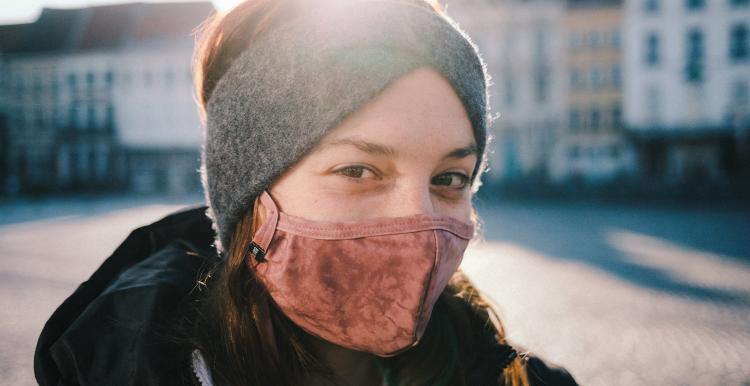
pixel 100 98
pixel 593 147
pixel 687 89
pixel 647 92
pixel 521 41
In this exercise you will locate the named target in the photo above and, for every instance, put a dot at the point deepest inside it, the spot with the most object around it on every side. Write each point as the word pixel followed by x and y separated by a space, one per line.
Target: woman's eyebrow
pixel 463 152
pixel 377 149
pixel 367 147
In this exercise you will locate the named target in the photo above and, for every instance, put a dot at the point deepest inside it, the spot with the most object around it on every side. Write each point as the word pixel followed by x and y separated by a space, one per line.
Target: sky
pixel 26 11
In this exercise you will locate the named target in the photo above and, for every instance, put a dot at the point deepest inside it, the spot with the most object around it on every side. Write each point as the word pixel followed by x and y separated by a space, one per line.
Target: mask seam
pixel 373 227
pixel 347 235
pixel 423 302
pixel 376 222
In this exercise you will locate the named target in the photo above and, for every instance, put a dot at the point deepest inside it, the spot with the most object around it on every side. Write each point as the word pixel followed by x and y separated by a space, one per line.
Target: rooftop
pixel 102 27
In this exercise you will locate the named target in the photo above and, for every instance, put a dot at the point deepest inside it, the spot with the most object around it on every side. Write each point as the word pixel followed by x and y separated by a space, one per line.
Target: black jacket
pixel 115 328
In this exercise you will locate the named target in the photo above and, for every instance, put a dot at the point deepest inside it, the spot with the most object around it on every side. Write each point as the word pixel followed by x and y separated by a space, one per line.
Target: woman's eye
pixel 454 180
pixel 354 171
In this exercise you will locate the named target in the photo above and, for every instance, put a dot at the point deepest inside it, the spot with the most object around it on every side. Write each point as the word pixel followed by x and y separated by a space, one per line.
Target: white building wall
pixel 154 98
pixel 661 96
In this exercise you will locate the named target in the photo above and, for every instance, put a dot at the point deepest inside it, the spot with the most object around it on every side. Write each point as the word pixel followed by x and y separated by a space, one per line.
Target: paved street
pixel 623 294
pixel 618 294
pixel 46 249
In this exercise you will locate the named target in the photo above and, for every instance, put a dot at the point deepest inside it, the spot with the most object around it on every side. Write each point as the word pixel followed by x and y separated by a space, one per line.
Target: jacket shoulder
pixel 542 372
pixel 115 327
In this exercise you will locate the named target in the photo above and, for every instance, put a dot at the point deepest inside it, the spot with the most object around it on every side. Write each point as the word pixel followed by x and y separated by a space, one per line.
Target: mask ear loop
pixel 258 247
pixel 264 235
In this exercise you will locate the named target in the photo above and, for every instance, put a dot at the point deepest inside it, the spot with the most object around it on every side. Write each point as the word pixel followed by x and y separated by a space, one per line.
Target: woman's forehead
pixel 388 146
pixel 421 110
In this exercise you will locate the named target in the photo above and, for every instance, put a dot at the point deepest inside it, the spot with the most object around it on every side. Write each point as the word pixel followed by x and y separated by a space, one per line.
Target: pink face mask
pixel 368 285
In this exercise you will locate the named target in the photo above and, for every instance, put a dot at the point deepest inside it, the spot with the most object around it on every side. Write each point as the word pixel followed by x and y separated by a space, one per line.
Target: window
pixel 19 88
pixel 616 116
pixel 652 49
pixel 91 161
pixel 575 79
pixel 695 53
pixel 573 151
pixel 596 78
pixel 102 159
pixel 738 43
pixel 595 39
pixel 694 5
pixel 651 6
pixel 739 3
pixel 73 116
pixel 596 118
pixel 110 118
pixel 36 87
pixel 616 76
pixel 91 117
pixel 63 162
pixel 540 44
pixel 541 72
pixel 54 84
pixel 541 84
pixel 90 78
pixel 574 40
pixel 55 115
pixel 616 38
pixel 19 117
pixel 72 80
pixel 574 120
pixel 108 77
pixel 38 117
pixel 36 84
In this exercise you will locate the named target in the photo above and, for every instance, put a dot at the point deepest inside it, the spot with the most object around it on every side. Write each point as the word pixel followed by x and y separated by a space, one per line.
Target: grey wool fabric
pixel 288 88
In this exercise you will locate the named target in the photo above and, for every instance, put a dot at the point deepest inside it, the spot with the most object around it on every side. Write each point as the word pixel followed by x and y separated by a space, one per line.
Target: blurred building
pixel 522 43
pixel 100 97
pixel 646 91
pixel 687 88
pixel 592 146
pixel 587 90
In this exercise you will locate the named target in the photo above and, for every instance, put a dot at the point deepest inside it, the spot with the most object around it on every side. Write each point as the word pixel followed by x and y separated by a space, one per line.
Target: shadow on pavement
pixel 579 232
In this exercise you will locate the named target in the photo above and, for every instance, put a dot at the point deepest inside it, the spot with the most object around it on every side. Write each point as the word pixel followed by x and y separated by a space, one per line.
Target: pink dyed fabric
pixel 368 285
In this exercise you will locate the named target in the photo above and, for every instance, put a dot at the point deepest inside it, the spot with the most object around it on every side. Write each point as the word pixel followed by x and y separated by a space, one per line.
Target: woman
pixel 344 142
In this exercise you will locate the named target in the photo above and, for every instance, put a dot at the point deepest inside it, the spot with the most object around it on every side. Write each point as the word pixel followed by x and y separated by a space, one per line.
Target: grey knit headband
pixel 300 79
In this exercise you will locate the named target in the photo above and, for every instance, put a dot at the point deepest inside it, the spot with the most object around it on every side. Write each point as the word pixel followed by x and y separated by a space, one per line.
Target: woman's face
pixel 410 150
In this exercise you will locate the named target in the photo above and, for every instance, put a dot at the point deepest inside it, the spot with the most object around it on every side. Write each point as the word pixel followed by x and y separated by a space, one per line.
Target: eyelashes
pixel 357 173
pixel 354 171
pixel 463 178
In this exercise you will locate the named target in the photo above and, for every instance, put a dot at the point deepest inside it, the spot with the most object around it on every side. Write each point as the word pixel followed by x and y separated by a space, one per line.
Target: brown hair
pixel 244 338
